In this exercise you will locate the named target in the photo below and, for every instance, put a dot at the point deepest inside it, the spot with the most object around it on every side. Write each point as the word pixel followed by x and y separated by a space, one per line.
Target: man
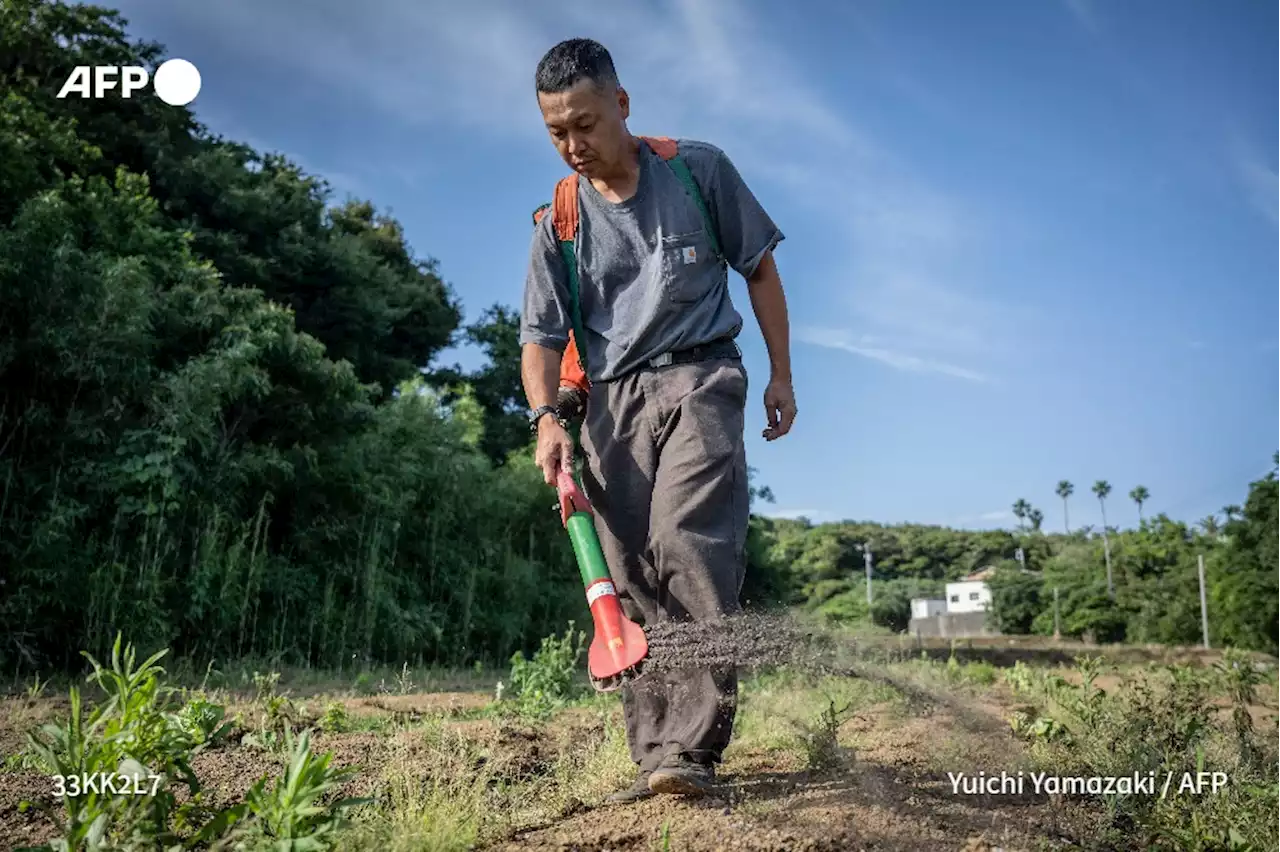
pixel 663 425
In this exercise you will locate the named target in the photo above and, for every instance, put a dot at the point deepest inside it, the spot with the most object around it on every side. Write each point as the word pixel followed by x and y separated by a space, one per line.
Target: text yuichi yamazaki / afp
pixel 1150 783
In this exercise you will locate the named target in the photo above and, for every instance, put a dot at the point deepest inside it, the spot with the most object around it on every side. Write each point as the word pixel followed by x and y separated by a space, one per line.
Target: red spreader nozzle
pixel 619 644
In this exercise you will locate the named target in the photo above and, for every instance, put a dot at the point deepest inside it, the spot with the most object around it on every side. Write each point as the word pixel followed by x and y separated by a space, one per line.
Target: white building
pixel 927 607
pixel 970 594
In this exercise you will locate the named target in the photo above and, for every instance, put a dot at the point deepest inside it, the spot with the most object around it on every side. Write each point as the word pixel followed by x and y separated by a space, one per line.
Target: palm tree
pixel 1037 517
pixel 1065 490
pixel 1020 511
pixel 1102 488
pixel 1209 524
pixel 1232 512
pixel 1140 495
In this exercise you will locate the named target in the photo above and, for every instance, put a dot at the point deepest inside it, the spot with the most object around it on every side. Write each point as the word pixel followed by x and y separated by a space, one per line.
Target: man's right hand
pixel 554 450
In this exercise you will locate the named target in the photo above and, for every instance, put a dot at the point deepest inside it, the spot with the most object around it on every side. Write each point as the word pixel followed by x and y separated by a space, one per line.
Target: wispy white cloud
pixel 982 519
pixel 817 516
pixel 869 347
pixel 1261 185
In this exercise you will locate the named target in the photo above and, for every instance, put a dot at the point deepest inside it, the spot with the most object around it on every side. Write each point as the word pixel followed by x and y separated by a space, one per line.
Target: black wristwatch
pixel 537 413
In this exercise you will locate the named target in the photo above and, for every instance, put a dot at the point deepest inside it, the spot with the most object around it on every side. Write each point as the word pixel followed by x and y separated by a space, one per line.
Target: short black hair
pixel 573 60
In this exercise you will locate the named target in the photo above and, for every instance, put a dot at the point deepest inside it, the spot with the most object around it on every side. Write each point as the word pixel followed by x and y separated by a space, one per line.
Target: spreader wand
pixel 619 645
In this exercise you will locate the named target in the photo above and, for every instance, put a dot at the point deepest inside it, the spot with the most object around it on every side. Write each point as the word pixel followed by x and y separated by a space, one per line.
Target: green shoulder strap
pixel 575 303
pixel 681 168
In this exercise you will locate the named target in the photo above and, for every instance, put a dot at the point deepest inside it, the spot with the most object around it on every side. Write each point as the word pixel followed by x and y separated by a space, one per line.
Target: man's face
pixel 587 126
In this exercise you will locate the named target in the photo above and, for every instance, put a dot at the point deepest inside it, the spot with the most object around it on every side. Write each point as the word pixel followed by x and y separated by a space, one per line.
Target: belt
pixel 725 347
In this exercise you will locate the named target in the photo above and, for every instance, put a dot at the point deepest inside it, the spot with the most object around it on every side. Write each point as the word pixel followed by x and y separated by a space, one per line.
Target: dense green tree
pixel 1245 609
pixel 497 385
pixel 1015 598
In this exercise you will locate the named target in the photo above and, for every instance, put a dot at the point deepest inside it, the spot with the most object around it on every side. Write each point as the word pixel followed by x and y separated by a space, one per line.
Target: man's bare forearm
pixel 540 371
pixel 770 306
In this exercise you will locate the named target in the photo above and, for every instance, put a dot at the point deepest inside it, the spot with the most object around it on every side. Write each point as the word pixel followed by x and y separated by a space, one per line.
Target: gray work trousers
pixel 666 474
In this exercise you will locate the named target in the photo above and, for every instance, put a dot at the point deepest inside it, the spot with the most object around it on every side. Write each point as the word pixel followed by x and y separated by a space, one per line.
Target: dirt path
pixel 894 794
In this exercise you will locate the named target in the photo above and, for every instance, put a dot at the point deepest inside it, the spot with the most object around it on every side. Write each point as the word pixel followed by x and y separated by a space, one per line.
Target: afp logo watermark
pixel 176 81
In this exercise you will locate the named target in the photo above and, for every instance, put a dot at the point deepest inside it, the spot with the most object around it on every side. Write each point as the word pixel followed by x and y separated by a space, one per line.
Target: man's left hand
pixel 779 408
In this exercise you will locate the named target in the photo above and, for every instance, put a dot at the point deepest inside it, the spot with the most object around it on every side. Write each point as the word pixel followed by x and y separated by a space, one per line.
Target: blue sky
pixel 1025 241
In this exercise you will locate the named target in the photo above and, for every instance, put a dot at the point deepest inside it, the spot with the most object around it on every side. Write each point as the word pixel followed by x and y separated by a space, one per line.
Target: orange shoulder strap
pixel 571 372
pixel 663 146
pixel 565 207
pixel 564 212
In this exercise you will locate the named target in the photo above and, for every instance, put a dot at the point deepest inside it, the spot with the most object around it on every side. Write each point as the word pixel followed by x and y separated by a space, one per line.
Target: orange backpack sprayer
pixel 619 646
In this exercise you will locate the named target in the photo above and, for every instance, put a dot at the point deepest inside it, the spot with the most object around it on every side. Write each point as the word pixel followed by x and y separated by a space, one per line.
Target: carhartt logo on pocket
pixel 690 254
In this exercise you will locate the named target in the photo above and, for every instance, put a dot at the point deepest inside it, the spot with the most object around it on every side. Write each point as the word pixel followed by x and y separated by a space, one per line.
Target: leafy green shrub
pixel 202 721
pixel 1015 598
pixel 545 683
pixel 335 719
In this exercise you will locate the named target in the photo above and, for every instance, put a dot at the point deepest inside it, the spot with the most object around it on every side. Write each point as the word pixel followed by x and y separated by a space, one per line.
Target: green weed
pixel 549 680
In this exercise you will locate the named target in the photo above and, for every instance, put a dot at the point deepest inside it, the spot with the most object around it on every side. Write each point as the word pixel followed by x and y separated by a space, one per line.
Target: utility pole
pixel 1022 558
pixel 1204 609
pixel 866 561
pixel 1057 634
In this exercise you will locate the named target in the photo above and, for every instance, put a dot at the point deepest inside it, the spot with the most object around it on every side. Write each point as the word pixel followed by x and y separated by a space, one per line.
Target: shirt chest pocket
pixel 689 268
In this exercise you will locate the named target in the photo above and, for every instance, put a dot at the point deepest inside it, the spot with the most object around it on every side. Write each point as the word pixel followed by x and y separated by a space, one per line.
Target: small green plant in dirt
pixel 139 732
pixel 36 688
pixel 664 838
pixel 549 681
pixel 1033 726
pixel 265 683
pixel 820 738
pixel 335 719
pixel 203 722
pixel 289 815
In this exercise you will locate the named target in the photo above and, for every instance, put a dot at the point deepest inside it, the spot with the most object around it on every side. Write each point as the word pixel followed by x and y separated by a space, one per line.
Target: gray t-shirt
pixel 649 282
